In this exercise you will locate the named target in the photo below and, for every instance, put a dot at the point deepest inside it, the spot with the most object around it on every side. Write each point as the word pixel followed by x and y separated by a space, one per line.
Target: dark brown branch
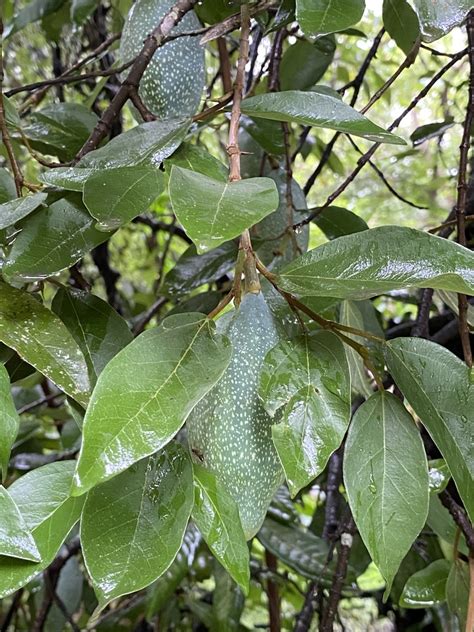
pixel 39 402
pixel 421 327
pixel 152 42
pixel 144 319
pixel 141 107
pixel 233 22
pixel 363 160
pixel 459 517
pixel 224 61
pixel 272 593
pixel 157 225
pixel 462 189
pixel 15 604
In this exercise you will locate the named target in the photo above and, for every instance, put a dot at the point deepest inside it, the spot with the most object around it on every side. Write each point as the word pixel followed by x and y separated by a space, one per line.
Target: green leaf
pixel 268 134
pixel 432 130
pixel 15 537
pixel 380 260
pixel 304 63
pixel 438 18
pixel 217 518
pixel 42 497
pixel 160 592
pixel 98 329
pixel 228 602
pixel 451 300
pixel 197 158
pixel 439 475
pixel 12 117
pixel 116 196
pixel 442 524
pixel 15 210
pixel 310 376
pixel 458 592
pixel 133 526
pixel 336 222
pixel 9 421
pixel 41 339
pixel 317 17
pixel 318 110
pixel 7 187
pixel 212 212
pixel 60 129
pixel 82 9
pixel 51 240
pixel 386 480
pixel 193 270
pixel 34 11
pixel 426 587
pixel 437 386
pixel 401 23
pixel 145 393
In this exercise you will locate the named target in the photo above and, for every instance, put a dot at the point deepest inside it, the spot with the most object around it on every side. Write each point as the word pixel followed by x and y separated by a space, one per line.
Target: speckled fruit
pixel 172 85
pixel 229 432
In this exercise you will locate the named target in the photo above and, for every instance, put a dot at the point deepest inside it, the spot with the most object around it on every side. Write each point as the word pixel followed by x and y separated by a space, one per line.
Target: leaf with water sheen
pixel 15 537
pixel 133 526
pixel 9 421
pixel 42 340
pixel 380 260
pixel 401 23
pixel 436 384
pixel 426 587
pixel 116 196
pixel 386 480
pixel 217 518
pixel 97 328
pixel 15 210
pixel 212 211
pixel 145 393
pixel 458 591
pixel 42 497
pixel 318 17
pixel 308 375
pixel 51 240
pixel 438 18
pixel 318 110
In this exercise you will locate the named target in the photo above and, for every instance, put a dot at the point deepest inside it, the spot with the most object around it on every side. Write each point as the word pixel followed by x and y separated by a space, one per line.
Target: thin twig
pixel 459 517
pixel 272 594
pixel 462 189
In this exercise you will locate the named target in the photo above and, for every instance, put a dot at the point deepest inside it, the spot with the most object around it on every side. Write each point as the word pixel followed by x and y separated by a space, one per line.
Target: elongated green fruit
pixel 229 432
pixel 172 85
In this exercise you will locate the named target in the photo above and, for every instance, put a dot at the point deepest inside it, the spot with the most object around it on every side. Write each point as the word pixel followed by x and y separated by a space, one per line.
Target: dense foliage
pixel 236 382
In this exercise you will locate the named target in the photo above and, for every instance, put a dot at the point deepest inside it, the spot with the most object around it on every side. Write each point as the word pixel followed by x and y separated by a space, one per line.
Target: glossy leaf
pixel 41 339
pixel 206 208
pixel 318 110
pixel 42 497
pixel 192 270
pixel 317 17
pixel 60 129
pixel 401 23
pixel 7 186
pixel 436 384
pixel 439 475
pixel 196 158
pixel 458 591
pixel 304 63
pixel 431 130
pixel 15 537
pixel 438 18
pixel 116 196
pixel 386 480
pixel 98 329
pixel 15 210
pixel 336 222
pixel 133 526
pixel 380 260
pixel 52 240
pixel 145 393
pixel 426 587
pixel 217 518
pixel 9 421
pixel 310 377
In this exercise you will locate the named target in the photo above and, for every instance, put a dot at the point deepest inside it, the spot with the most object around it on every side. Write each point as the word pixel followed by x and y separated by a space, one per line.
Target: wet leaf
pixel 436 385
pixel 304 63
pixel 386 480
pixel 145 393
pixel 9 421
pixel 379 260
pixel 133 526
pixel 426 587
pixel 217 518
pixel 317 17
pixel 15 537
pixel 318 110
pixel 308 375
pixel 457 591
pixel 438 18
pixel 401 23
pixel 42 340
pixel 206 208
pixel 15 210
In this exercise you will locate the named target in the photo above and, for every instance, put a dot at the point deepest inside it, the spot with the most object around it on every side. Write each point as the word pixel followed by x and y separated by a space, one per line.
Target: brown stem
pixel 272 594
pixel 470 605
pixel 459 517
pixel 462 189
pixel 224 65
pixel 152 42
pixel 17 175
